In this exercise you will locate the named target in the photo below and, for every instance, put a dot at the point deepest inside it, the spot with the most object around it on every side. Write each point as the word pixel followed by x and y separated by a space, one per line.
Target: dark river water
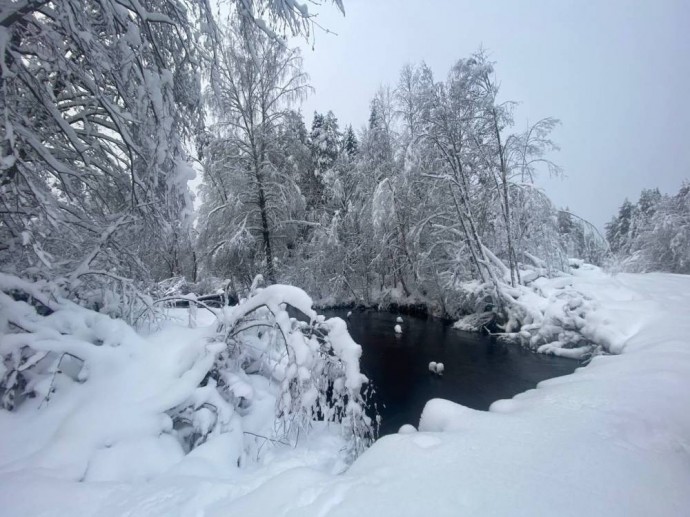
pixel 478 370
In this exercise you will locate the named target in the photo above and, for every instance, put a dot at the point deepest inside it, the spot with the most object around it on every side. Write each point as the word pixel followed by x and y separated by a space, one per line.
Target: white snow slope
pixel 611 439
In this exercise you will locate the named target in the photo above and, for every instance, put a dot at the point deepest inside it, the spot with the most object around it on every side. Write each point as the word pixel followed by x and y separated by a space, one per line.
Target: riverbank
pixel 478 369
pixel 410 308
pixel 611 440
pixel 548 315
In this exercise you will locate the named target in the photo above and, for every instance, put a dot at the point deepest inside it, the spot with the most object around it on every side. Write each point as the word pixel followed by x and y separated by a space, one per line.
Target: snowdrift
pixel 610 439
pixel 549 314
pixel 86 398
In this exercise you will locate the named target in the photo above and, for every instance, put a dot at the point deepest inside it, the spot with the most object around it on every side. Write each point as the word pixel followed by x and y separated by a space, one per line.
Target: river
pixel 478 370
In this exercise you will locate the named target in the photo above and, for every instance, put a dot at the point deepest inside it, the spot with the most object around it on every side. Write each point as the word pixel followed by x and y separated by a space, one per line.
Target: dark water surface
pixel 478 370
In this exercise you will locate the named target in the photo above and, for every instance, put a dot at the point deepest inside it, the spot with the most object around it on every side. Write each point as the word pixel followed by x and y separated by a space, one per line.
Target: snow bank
pixel 87 399
pixel 555 315
pixel 610 439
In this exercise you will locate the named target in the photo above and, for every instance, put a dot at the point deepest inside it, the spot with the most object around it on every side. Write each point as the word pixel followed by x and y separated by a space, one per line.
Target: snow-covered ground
pixel 611 439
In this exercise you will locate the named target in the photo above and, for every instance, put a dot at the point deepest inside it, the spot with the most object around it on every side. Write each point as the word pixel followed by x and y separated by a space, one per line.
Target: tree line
pixel 101 107
pixel 109 107
pixel 437 190
pixel 653 234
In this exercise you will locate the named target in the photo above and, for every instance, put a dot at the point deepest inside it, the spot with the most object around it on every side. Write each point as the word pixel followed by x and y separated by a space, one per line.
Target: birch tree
pixel 99 105
pixel 250 94
pixel 98 99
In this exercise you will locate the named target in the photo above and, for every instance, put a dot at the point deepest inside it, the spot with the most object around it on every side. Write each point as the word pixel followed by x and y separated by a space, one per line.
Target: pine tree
pixel 350 145
pixel 618 230
pixel 325 139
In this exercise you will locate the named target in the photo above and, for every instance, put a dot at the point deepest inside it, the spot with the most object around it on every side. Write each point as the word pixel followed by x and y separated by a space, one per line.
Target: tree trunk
pixel 266 235
pixel 512 258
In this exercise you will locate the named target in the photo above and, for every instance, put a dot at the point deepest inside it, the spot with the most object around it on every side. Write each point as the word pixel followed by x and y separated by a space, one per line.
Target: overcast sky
pixel 616 73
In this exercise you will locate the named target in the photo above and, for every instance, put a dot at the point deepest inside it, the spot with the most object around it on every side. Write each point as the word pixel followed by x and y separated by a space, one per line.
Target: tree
pixel 349 145
pixel 378 142
pixel 618 230
pixel 654 233
pixel 447 118
pixel 97 101
pixel 251 91
pixel 325 142
pixel 100 101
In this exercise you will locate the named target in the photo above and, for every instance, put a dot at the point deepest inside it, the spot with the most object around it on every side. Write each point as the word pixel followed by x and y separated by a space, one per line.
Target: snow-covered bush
pixel 114 404
pixel 315 363
pixel 546 314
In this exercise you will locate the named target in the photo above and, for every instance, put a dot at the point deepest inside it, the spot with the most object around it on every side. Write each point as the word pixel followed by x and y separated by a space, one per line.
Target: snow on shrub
pixel 546 314
pixel 110 404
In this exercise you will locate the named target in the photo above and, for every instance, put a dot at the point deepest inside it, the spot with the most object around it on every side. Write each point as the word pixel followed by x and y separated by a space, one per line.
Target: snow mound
pixel 86 398
pixel 407 429
pixel 621 421
pixel 436 368
pixel 554 316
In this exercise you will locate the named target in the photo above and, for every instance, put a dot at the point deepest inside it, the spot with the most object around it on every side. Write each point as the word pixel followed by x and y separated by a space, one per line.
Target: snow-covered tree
pixel 654 233
pixel 100 102
pixel 250 94
pixel 581 238
pixel 324 141
pixel 349 144
pixel 617 231
pixel 97 101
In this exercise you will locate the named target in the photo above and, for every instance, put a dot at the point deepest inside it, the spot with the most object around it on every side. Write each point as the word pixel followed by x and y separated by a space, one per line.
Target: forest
pixel 156 166
pixel 109 113
pixel 436 191
pixel 652 234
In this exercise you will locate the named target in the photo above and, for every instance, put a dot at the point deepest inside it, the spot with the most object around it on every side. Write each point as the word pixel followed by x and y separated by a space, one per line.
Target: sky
pixel 616 73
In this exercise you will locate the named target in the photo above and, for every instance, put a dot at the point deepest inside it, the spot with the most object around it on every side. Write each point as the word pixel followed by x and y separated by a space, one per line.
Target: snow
pixel 348 351
pixel 112 406
pixel 436 368
pixel 383 205
pixel 556 315
pixel 622 420
pixel 407 429
pixel 610 439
